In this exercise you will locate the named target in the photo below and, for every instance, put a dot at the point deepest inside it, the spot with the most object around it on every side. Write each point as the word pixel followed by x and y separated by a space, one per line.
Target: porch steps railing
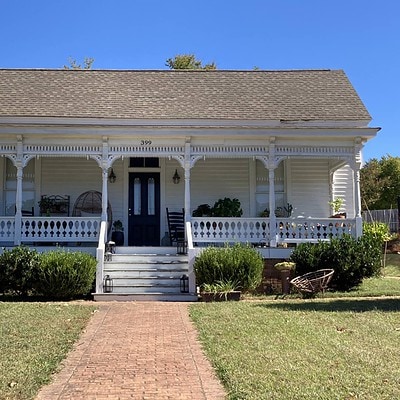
pixel 146 274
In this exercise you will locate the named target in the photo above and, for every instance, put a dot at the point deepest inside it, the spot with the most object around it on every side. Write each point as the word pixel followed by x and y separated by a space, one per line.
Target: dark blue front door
pixel 144 209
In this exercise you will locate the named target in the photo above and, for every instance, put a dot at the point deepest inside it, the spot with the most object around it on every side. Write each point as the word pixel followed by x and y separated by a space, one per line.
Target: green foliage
pixel 18 269
pixel 188 61
pixel 225 207
pixel 65 274
pixel 285 266
pixel 240 264
pixel 378 230
pixel 380 183
pixel 87 63
pixel 220 287
pixel 336 204
pixel 352 259
pixel 203 210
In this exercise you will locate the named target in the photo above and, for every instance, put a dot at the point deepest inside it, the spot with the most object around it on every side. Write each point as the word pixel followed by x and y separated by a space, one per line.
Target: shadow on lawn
pixel 356 305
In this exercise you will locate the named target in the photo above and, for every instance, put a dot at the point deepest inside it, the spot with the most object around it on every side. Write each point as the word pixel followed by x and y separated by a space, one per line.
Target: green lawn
pixel 34 338
pixel 335 347
pixel 304 349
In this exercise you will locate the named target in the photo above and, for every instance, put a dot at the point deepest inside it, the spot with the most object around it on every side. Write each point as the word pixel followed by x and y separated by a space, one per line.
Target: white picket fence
pixel 390 217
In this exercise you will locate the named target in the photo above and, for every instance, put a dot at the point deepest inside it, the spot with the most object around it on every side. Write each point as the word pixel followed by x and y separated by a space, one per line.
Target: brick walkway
pixel 137 350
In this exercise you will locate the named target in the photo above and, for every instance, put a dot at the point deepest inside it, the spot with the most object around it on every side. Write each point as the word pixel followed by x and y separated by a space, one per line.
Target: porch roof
pixel 300 95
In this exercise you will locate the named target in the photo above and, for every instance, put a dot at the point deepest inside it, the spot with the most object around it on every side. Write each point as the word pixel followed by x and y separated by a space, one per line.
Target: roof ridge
pixel 172 70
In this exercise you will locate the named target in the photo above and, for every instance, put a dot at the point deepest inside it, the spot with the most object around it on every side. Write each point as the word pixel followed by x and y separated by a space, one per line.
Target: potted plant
pixel 203 210
pixel 220 291
pixel 285 268
pixel 227 207
pixel 336 205
pixel 46 204
pixel 117 235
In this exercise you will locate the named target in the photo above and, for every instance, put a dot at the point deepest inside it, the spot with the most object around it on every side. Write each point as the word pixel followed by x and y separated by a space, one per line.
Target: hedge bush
pixel 352 259
pixel 18 270
pixel 65 275
pixel 239 263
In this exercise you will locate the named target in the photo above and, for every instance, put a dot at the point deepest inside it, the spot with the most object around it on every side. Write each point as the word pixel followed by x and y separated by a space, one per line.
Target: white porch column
pixel 187 167
pixel 104 173
pixel 187 193
pixel 271 178
pixel 18 196
pixel 272 206
pixel 18 205
pixel 104 194
pixel 356 166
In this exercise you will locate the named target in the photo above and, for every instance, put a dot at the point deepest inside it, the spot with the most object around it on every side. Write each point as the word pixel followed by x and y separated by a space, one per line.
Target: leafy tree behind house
pixel 87 63
pixel 380 183
pixel 188 61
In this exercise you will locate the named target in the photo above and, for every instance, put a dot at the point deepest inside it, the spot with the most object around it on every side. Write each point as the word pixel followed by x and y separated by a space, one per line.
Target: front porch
pixel 261 232
pixel 154 272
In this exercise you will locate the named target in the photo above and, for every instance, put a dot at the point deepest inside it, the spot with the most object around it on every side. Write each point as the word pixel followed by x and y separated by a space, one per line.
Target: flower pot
pixel 118 238
pixel 285 278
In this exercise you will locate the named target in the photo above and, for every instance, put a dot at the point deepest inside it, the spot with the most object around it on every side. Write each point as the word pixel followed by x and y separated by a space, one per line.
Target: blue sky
pixel 361 37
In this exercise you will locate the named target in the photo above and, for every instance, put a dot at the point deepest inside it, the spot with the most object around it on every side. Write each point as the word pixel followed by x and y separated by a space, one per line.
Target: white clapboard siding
pixel 74 176
pixel 343 186
pixel 174 193
pixel 309 191
pixel 69 176
pixel 213 179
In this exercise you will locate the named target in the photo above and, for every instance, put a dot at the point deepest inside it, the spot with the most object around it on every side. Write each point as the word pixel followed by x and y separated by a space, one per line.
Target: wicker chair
pixel 313 282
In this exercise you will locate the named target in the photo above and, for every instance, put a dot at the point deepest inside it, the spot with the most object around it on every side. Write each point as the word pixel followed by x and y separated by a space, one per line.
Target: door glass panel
pixel 137 201
pixel 151 198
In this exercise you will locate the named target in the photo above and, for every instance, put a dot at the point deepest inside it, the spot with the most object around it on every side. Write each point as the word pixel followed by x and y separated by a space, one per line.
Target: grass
pixel 324 348
pixel 34 338
pixel 304 349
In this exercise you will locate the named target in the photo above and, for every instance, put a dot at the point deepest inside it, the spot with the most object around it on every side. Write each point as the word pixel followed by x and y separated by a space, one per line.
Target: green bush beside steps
pixel 57 274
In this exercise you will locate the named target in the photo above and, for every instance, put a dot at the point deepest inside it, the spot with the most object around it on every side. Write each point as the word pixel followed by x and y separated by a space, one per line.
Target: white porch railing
pixel 51 229
pixel 100 253
pixel 7 229
pixel 307 229
pixel 256 230
pixel 209 230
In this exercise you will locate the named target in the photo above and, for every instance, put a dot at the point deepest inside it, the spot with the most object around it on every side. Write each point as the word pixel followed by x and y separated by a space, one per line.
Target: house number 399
pixel 145 142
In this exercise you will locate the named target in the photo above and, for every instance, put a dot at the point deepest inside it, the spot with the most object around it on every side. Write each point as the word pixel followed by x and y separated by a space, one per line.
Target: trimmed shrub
pixel 239 263
pixel 18 270
pixel 65 275
pixel 352 259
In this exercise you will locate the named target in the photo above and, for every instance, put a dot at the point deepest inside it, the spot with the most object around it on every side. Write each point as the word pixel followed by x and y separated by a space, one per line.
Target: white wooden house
pixel 267 138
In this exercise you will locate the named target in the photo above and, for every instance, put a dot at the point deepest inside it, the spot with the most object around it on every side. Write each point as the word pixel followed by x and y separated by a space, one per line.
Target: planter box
pixel 217 296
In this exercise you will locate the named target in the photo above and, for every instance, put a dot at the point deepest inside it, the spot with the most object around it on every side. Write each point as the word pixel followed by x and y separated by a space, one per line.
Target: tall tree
pixel 380 183
pixel 188 61
pixel 87 63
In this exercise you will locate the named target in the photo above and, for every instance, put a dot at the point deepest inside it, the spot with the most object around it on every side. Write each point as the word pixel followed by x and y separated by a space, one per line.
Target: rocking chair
pixel 176 225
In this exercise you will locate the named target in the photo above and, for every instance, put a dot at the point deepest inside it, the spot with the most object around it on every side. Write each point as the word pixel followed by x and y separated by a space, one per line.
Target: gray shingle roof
pixel 168 94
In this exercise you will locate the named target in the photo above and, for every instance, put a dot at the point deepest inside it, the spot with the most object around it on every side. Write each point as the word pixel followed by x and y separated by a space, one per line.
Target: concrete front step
pixel 145 297
pixel 148 258
pixel 146 271
pixel 159 281
pixel 133 266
